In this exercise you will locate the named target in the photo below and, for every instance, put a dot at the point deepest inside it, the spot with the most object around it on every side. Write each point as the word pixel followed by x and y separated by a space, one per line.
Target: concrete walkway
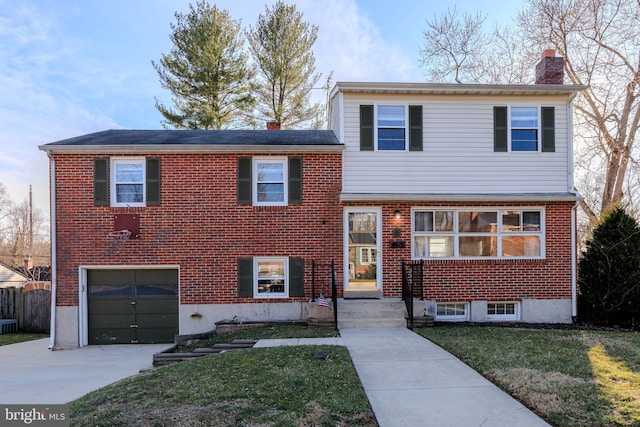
pixel 412 382
pixel 32 374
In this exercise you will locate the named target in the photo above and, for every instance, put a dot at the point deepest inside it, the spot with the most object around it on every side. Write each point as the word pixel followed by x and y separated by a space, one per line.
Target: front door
pixel 362 250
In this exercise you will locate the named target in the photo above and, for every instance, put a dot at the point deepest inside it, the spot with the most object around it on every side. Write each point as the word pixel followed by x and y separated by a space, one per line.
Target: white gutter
pixel 54 268
pixel 571 188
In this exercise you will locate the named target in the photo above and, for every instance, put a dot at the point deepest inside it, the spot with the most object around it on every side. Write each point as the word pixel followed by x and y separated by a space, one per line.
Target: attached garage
pixel 132 306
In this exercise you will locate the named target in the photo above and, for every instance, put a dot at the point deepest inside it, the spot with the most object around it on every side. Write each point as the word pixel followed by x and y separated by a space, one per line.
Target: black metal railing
pixel 417 278
pixel 407 294
pixel 334 294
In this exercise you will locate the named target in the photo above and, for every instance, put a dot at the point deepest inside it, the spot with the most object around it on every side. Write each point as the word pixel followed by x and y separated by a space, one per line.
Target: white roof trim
pixel 507 197
pixel 455 89
pixel 185 148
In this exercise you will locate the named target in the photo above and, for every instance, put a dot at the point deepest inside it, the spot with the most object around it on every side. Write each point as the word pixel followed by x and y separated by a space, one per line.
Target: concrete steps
pixel 371 313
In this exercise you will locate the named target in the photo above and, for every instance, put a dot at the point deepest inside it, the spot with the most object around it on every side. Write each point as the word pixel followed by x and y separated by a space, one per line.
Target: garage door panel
pixel 109 306
pixel 156 277
pixel 157 320
pixel 156 305
pixel 112 336
pixel 111 277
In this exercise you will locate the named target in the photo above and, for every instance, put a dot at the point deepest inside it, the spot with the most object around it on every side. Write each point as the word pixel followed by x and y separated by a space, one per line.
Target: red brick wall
pixel 199 224
pixel 492 280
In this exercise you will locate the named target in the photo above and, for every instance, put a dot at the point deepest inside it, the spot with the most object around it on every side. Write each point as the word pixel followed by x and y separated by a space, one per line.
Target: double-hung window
pixel 270 181
pixel 391 127
pixel 434 234
pixel 521 233
pixel 271 277
pixel 524 128
pixel 481 233
pixel 127 182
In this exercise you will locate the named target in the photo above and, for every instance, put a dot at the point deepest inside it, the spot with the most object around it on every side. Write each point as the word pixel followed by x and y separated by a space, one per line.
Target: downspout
pixel 572 189
pixel 54 269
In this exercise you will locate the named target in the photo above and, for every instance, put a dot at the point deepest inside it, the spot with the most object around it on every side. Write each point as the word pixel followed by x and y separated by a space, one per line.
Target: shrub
pixel 609 272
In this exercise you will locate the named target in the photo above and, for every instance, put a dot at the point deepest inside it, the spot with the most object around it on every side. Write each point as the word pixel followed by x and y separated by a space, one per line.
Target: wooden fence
pixel 31 308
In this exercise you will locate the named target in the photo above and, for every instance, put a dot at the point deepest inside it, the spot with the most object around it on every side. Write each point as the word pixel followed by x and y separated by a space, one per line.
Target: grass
pixel 568 377
pixel 279 386
pixel 6 339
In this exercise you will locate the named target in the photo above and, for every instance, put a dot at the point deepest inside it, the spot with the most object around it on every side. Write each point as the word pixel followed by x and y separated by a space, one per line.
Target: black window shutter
pixel 296 277
pixel 245 277
pixel 548 129
pixel 101 181
pixel 415 127
pixel 366 128
pixel 295 180
pixel 500 129
pixel 153 181
pixel 244 180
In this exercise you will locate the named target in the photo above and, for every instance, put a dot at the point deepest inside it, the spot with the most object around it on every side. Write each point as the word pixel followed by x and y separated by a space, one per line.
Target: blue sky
pixel 70 67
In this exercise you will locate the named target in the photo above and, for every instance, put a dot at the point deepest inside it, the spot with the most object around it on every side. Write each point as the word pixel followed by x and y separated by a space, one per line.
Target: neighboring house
pixel 475 180
pixel 11 278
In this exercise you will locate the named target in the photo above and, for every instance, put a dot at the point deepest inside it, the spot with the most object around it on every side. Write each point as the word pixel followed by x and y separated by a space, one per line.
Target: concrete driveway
pixel 32 374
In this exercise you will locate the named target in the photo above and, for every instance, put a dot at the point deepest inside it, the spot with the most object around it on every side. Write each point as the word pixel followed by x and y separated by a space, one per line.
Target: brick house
pixel 474 180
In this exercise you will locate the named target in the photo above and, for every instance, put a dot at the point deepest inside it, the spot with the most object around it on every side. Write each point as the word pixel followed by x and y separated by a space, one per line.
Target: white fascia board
pixel 151 148
pixel 395 197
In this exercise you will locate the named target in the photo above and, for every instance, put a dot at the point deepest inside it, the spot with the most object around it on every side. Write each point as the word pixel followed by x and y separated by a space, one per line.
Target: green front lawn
pixel 282 386
pixel 570 378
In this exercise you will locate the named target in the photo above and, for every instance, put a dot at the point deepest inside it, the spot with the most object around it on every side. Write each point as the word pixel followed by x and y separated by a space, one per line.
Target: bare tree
pixel 454 47
pixel 17 238
pixel 599 40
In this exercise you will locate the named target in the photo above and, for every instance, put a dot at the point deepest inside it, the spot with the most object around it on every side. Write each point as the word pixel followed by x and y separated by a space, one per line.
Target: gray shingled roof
pixel 124 137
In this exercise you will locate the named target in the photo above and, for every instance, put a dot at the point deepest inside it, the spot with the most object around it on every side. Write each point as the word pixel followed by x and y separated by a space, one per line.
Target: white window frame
pixel 113 182
pixel 285 176
pixel 538 129
pixel 504 317
pixel 453 317
pixel 257 277
pixel 499 233
pixel 405 127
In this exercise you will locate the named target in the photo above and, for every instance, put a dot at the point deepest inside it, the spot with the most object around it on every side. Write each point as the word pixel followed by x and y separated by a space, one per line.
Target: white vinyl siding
pixel 458 155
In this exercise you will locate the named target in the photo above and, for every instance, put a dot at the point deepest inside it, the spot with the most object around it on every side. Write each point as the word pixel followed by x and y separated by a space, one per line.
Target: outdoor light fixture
pixel 397 213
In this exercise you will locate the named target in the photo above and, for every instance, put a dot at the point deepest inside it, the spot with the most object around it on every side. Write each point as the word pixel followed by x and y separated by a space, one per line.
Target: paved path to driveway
pixel 32 374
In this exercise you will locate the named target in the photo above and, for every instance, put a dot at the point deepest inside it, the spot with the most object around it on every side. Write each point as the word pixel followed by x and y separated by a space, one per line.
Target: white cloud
pixel 351 45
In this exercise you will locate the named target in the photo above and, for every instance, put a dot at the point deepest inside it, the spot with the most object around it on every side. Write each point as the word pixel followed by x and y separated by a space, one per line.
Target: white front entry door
pixel 363 266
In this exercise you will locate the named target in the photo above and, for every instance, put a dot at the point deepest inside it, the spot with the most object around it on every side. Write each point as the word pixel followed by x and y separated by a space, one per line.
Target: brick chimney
pixel 273 125
pixel 550 69
pixel 27 264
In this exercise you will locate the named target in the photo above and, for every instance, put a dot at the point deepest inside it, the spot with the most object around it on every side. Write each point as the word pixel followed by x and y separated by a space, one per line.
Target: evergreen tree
pixel 206 71
pixel 281 44
pixel 609 272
